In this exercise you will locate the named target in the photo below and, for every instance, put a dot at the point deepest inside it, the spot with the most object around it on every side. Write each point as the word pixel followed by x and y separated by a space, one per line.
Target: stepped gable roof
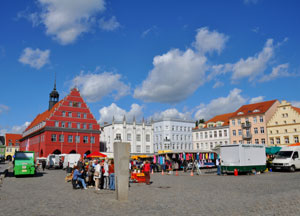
pixel 13 137
pixel 43 116
pixel 253 109
pixel 223 118
pixel 296 109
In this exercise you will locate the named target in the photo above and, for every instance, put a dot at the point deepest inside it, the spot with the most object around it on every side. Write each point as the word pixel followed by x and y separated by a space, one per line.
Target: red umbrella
pixel 96 155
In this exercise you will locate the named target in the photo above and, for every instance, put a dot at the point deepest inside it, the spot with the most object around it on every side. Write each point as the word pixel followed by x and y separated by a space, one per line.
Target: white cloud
pixel 17 129
pixel 3 108
pixel 221 105
pixel 110 24
pixel 178 74
pixel 174 77
pixel 173 114
pixel 107 113
pixel 209 41
pixel 278 71
pixel 65 20
pixel 296 103
pixel 218 84
pixel 256 99
pixel 253 66
pixel 94 86
pixel 35 58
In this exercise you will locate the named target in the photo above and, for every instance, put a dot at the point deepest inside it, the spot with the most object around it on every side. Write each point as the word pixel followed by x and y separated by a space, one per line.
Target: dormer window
pixel 240 113
pixel 256 110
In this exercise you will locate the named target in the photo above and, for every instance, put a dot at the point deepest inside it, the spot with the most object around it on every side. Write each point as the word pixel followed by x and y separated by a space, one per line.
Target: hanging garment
pixel 154 159
pixel 187 157
pixel 198 156
pixel 212 156
pixel 184 156
pixel 173 156
pixel 206 156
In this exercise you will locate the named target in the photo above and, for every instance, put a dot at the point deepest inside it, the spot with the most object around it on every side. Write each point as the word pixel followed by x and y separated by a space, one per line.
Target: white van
pixel 71 160
pixel 287 158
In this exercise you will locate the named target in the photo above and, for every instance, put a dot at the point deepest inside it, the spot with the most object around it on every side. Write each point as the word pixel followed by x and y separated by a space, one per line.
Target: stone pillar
pixel 121 158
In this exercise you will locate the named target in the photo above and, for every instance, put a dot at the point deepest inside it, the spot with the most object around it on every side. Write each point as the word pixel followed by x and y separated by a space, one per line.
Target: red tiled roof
pixel 223 118
pixel 43 116
pixel 248 109
pixel 296 109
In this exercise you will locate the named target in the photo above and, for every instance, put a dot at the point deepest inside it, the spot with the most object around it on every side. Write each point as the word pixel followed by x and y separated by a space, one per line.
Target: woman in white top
pixel 106 176
pixel 97 175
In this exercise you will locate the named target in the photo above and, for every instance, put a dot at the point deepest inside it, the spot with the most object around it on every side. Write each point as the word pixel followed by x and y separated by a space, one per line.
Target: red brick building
pixel 67 126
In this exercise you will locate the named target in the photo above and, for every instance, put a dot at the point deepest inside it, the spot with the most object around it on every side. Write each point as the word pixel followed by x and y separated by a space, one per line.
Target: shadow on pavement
pixel 11 174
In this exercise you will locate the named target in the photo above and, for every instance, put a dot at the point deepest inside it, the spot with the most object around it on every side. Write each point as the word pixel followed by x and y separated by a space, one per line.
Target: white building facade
pixel 172 134
pixel 139 135
pixel 212 133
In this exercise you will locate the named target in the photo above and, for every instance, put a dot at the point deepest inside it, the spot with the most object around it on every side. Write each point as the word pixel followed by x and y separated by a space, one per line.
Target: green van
pixel 24 163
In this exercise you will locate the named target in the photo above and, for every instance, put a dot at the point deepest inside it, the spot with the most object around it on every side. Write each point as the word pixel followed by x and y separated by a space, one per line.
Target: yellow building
pixel 284 126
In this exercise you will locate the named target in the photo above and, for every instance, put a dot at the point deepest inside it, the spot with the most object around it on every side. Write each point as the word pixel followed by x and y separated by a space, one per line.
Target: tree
pixel 201 121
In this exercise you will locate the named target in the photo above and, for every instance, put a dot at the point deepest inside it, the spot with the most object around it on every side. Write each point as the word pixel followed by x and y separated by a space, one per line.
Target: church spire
pixel 53 96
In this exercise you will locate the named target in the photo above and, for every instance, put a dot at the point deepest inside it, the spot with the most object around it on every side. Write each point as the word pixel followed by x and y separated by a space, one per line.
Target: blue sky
pixel 153 59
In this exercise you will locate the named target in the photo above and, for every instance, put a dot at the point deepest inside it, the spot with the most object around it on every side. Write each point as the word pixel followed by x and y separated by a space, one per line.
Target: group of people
pixel 97 173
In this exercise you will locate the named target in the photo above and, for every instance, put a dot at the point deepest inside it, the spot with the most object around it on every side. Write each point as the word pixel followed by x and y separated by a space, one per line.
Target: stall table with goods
pixel 138 177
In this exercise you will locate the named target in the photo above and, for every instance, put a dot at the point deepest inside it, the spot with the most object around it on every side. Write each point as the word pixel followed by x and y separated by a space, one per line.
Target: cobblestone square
pixel 207 194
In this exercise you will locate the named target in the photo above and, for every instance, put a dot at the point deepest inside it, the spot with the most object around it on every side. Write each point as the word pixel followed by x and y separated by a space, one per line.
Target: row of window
pixel 174 137
pixel 254 120
pixel 61 138
pixel 211 144
pixel 173 146
pixel 173 127
pixel 286 131
pixel 138 137
pixel 211 134
pixel 240 132
pixel 9 150
pixel 286 140
pixel 78 114
pixel 139 149
pixel 256 141
pixel 69 125
pixel 285 122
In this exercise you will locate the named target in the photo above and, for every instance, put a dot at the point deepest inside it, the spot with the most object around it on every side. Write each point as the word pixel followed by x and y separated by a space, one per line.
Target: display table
pixel 138 177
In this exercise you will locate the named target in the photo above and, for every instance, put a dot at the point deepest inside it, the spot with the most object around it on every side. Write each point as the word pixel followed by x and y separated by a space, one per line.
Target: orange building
pixel 67 126
pixel 12 143
pixel 249 123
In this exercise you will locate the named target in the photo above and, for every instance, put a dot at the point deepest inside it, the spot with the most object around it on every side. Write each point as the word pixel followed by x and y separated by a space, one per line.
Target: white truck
pixel 287 159
pixel 53 161
pixel 71 160
pixel 243 157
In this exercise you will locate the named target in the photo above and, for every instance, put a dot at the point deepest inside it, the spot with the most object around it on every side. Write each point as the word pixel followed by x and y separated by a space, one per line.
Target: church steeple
pixel 53 96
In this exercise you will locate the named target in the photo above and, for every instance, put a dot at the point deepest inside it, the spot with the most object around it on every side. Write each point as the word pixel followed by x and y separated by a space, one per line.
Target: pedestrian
pixel 111 171
pixel 218 163
pixel 106 175
pixel 91 171
pixel 43 164
pixel 97 175
pixel 147 172
pixel 80 164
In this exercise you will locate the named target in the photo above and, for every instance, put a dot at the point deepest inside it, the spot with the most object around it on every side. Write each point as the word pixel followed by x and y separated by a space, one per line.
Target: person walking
pixel 97 175
pixel 111 171
pixel 106 175
pixel 147 172
pixel 43 164
pixel 218 163
pixel 90 173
